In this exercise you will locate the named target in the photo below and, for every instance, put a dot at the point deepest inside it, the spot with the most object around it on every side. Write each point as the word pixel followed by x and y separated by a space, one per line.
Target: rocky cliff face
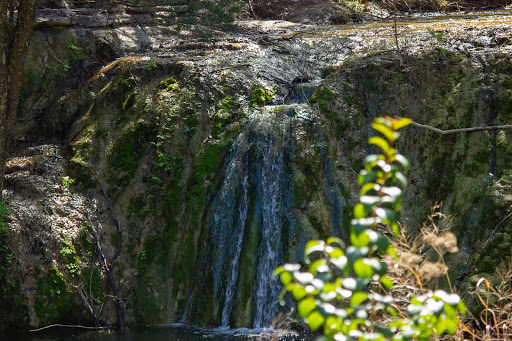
pixel 221 159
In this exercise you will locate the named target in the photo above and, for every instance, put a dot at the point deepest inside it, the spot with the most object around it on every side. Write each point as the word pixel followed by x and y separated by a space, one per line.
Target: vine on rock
pixel 346 290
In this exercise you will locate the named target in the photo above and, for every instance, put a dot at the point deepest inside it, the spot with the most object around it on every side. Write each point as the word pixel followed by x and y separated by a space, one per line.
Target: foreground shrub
pixel 347 291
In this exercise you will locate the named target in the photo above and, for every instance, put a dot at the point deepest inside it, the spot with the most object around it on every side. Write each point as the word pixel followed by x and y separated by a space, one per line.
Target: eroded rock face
pixel 222 159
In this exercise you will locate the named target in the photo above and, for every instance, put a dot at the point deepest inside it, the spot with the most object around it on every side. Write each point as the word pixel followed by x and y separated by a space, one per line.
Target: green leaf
pixel 299 292
pixel 349 283
pixel 286 277
pixel 379 267
pixel 363 270
pixel 388 283
pixel 291 267
pixel 461 307
pixel 353 253
pixel 451 325
pixel 360 211
pixel 303 277
pixel 382 243
pixel 359 240
pixel 400 177
pixel 306 306
pixel 387 215
pixel 390 135
pixel 402 160
pixel 397 124
pixel 368 187
pixel 318 266
pixel 450 311
pixel 339 262
pixel 278 270
pixel 336 252
pixel 361 224
pixel 370 200
pixel 387 332
pixel 365 176
pixel 313 246
pixel 314 320
pixel 381 143
pixel 358 298
pixel 336 240
pixel 439 327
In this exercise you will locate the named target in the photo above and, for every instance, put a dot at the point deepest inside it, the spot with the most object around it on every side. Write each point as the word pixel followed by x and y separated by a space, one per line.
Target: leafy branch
pixel 339 289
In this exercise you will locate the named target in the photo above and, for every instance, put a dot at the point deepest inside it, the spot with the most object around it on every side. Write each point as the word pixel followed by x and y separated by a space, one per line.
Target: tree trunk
pixel 16 23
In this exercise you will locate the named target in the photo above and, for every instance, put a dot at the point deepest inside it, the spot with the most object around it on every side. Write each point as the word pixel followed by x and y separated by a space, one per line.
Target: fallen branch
pixel 68 326
pixel 110 276
pixel 80 291
pixel 459 130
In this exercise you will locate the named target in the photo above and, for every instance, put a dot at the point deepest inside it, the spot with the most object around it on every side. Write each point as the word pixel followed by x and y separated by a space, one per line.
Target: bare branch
pixel 68 326
pixel 459 130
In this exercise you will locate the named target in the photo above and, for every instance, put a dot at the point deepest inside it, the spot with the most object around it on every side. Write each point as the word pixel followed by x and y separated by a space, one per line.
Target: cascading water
pixel 235 263
pixel 253 225
pixel 266 289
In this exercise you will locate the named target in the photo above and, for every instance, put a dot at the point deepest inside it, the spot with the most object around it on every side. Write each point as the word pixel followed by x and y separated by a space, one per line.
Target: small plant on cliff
pixel 347 291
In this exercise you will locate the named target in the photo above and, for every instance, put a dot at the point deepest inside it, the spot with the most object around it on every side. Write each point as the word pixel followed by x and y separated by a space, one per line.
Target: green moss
pixel 79 163
pixel 260 96
pixel 93 278
pixel 322 97
pixel 54 300
pixel 126 105
pixel 127 150
pixel 168 84
pixel 137 205
pixel 209 160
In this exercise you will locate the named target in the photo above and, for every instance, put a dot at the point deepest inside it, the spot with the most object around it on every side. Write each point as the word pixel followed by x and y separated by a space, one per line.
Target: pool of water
pixel 160 333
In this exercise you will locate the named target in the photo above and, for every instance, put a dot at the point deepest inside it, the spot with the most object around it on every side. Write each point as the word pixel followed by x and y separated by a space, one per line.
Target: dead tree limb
pixel 459 130
pixel 68 326
pixel 80 291
pixel 110 276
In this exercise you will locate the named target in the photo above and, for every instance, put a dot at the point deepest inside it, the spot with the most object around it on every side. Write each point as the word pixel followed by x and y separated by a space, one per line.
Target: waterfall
pixel 252 224
pixel 266 289
pixel 231 287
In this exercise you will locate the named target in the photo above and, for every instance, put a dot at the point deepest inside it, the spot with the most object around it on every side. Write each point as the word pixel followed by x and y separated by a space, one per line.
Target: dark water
pixel 160 333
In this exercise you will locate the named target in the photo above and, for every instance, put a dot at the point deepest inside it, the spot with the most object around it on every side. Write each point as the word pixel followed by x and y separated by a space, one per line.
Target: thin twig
pixel 79 289
pixel 110 277
pixel 459 130
pixel 68 326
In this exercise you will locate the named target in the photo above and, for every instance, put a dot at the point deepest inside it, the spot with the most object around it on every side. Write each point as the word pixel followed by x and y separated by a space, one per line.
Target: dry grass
pixel 421 265
pixel 124 62
pixel 495 320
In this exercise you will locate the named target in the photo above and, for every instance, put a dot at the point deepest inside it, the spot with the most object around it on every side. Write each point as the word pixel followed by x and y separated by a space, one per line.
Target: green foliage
pixel 260 96
pixel 150 65
pixel 66 181
pixel 6 255
pixel 438 36
pixel 346 290
pixel 322 96
pixel 200 17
